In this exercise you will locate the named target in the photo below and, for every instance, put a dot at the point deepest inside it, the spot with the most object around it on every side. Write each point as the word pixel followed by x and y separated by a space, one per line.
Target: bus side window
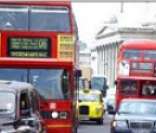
pixel 128 86
pixel 149 90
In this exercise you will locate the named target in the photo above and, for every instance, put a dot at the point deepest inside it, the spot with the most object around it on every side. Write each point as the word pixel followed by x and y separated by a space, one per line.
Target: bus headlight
pixel 55 115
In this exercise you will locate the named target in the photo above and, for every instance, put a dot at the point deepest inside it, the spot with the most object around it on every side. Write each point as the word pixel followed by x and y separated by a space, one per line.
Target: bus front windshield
pixel 50 83
pixel 34 18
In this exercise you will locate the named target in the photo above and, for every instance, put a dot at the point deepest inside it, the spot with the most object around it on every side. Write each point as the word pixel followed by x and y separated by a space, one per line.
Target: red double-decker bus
pixel 136 70
pixel 38 45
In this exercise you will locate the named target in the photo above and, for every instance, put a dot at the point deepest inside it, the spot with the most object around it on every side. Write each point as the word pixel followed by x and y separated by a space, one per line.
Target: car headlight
pixel 120 124
pixel 55 115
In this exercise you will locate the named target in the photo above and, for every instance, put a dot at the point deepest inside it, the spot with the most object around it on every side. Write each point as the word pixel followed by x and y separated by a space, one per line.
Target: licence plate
pixel 84 117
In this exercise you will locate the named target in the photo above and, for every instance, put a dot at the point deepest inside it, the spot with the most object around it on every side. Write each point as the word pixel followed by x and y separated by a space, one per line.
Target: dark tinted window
pixel 128 86
pixel 149 89
pixel 25 108
pixel 34 101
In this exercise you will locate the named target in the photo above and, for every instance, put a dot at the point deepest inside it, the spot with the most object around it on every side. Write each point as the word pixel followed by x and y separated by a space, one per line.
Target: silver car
pixel 135 116
pixel 19 108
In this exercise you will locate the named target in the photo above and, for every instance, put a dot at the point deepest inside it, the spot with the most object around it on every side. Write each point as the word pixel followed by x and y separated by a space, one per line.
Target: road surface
pixel 92 127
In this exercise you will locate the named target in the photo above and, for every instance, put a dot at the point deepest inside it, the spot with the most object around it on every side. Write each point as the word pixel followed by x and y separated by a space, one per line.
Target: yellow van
pixel 90 106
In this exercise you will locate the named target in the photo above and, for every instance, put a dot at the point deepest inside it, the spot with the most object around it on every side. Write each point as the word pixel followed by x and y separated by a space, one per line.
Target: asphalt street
pixel 92 127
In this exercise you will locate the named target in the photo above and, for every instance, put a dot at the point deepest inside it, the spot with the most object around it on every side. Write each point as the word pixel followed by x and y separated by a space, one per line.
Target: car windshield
pixel 34 18
pixel 7 105
pixel 89 97
pixel 98 83
pixel 138 107
pixel 50 83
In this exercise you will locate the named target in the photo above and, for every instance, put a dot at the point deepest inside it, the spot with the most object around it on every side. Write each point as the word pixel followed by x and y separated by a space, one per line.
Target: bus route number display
pixel 29 47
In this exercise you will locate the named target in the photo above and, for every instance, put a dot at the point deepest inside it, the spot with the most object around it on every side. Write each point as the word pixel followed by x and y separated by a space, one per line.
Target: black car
pixel 19 109
pixel 135 116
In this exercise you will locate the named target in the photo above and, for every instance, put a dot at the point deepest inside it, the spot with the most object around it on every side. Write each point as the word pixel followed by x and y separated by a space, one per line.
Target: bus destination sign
pixel 29 47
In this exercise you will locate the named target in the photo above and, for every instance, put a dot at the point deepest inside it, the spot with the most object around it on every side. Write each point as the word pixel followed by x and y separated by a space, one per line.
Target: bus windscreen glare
pixel 50 83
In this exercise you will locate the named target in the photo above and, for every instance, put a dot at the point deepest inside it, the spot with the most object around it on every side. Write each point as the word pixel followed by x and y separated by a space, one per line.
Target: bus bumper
pixel 59 128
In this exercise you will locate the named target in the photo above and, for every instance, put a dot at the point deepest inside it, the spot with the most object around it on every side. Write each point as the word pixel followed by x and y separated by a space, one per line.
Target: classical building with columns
pixel 108 40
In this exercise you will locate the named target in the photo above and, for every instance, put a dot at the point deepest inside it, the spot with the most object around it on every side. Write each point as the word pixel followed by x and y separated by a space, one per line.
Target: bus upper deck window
pixel 132 54
pixel 149 54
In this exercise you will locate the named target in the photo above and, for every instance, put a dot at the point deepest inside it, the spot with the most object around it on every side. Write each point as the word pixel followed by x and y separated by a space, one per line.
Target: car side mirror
pixel 112 112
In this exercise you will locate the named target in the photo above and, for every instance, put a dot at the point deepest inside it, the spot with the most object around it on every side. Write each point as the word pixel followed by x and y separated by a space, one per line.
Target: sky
pixel 90 17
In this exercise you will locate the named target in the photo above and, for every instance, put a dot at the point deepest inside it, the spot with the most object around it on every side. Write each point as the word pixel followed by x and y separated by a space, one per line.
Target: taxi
pixel 90 106
pixel 19 108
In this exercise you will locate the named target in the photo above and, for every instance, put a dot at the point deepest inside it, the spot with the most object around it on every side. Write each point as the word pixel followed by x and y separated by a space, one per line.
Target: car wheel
pixel 100 121
pixel 75 129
